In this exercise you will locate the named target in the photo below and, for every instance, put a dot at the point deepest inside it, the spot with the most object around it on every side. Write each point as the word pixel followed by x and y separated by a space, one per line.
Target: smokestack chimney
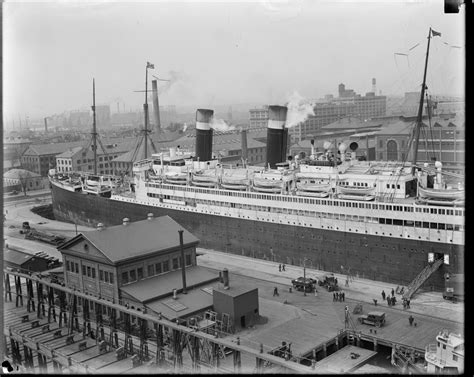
pixel 156 105
pixel 226 278
pixel 276 135
pixel 149 216
pixel 244 144
pixel 183 264
pixel 204 134
pixel 100 226
pixel 45 125
pixel 374 86
pixel 126 221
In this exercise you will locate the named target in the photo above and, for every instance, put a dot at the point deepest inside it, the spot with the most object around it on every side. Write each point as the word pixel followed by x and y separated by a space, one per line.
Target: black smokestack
pixel 156 106
pixel 204 134
pixel 45 125
pixel 183 264
pixel 276 135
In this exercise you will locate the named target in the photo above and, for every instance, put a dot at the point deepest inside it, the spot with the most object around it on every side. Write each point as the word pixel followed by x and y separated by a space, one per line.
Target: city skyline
pixel 216 54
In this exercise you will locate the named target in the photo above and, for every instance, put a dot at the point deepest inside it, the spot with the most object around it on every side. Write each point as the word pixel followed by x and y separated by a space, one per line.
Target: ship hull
pixel 380 258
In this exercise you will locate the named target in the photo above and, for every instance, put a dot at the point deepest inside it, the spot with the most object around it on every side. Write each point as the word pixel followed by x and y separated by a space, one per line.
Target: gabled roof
pixel 70 153
pixel 51 148
pixel 16 257
pixel 397 128
pixel 137 239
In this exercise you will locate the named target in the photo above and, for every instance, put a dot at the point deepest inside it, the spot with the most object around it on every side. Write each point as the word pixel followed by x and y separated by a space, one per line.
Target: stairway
pixel 421 278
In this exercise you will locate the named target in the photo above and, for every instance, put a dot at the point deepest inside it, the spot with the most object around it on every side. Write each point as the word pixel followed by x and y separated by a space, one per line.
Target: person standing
pixel 393 292
pixel 411 319
pixel 343 296
pixel 383 295
pixel 279 267
pixel 283 267
pixel 275 292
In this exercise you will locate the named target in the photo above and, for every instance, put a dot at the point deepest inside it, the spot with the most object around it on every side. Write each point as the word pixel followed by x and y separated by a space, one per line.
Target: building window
pixel 166 266
pixel 67 265
pixel 124 277
pixel 101 275
pixel 455 358
pixel 88 271
pixel 151 270
pixel 175 264
pixel 158 268
pixel 133 275
pixel 111 277
pixel 93 273
pixel 84 270
pixel 106 276
pixel 140 273
pixel 188 260
pixel 77 267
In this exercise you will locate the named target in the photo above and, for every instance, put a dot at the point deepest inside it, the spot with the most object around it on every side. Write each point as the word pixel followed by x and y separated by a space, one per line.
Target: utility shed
pixel 24 261
pixel 240 303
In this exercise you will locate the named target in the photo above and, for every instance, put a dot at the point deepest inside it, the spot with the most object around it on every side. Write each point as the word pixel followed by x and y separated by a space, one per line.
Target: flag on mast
pixel 435 33
pixel 150 66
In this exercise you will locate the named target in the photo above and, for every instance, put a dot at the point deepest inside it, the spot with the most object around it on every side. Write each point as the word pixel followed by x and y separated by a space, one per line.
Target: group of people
pixel 281 267
pixel 339 296
pixel 391 299
pixel 406 303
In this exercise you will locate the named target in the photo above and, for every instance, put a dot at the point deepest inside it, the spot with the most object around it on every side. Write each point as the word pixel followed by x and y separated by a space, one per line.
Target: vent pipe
pixel 225 274
pixel 204 134
pixel 175 296
pixel 183 264
pixel 276 135
pixel 126 221
pixel 156 106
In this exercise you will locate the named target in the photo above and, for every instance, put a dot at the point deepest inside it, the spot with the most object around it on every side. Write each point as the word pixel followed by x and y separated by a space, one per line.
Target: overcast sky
pixel 222 52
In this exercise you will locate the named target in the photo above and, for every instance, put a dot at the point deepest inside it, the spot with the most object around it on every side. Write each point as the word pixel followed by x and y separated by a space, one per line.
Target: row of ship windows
pixel 334 203
pixel 337 216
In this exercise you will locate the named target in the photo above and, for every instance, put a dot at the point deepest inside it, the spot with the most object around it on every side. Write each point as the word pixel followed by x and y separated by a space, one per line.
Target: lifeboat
pixel 312 187
pixel 355 190
pixel 446 194
pixel 176 179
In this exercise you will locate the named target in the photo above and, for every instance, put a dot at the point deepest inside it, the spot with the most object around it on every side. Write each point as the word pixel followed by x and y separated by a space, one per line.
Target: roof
pixel 133 155
pixel 162 285
pixel 123 242
pixel 51 148
pixel 70 153
pixel 352 122
pixel 20 173
pixel 234 291
pixel 397 128
pixel 16 257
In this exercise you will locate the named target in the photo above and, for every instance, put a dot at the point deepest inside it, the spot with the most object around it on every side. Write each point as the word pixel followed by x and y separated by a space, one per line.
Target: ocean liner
pixel 389 221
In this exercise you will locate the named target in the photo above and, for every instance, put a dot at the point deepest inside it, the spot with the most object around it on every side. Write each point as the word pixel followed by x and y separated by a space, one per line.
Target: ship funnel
pixel 277 135
pixel 204 134
pixel 156 105
pixel 149 216
pixel 100 226
pixel 126 221
pixel 312 149
pixel 225 274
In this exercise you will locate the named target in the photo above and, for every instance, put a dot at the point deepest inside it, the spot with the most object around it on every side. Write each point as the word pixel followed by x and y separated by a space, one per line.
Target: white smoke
pixel 221 125
pixel 185 127
pixel 299 109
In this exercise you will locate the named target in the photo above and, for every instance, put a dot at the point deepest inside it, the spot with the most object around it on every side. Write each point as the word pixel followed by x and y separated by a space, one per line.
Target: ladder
pixel 422 277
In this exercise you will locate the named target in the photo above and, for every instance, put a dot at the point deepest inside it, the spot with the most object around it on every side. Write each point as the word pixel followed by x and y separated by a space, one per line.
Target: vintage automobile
pixel 302 284
pixel 373 318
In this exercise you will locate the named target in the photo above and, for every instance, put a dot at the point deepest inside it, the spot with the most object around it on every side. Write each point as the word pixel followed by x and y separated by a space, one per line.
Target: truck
pixel 453 287
pixel 329 282
pixel 34 234
pixel 373 318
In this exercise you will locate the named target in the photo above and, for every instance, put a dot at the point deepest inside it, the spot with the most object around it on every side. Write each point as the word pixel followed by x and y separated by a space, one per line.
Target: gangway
pixel 422 277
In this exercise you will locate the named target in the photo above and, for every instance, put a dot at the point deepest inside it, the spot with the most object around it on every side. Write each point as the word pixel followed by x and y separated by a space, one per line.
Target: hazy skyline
pixel 222 52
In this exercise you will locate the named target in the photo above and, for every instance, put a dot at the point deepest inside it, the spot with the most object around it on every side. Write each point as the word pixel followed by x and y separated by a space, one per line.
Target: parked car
pixel 302 284
pixel 329 282
pixel 373 318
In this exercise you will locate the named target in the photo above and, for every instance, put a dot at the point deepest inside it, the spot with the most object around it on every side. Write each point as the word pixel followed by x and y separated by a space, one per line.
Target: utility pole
pixel 94 130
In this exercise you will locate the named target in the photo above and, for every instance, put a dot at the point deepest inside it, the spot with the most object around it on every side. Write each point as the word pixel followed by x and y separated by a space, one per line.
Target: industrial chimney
pixel 225 274
pixel 374 86
pixel 277 135
pixel 204 134
pixel 243 135
pixel 45 125
pixel 156 106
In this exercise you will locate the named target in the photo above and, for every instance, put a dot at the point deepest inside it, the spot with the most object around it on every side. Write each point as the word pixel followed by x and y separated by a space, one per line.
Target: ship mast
pixel 94 130
pixel 420 109
pixel 145 106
